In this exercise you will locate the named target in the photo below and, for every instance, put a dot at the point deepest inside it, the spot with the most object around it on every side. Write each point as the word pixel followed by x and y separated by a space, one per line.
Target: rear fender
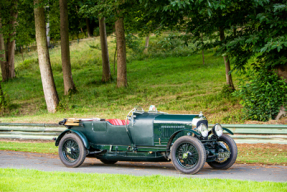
pixel 80 134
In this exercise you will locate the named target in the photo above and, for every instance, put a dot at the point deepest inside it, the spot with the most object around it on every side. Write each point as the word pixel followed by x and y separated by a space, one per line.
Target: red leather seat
pixel 117 121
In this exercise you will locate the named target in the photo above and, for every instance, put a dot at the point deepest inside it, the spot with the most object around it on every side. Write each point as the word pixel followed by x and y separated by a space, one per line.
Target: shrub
pixel 263 95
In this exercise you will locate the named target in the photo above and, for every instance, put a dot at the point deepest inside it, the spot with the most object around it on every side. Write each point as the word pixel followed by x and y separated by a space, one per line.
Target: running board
pixel 97 152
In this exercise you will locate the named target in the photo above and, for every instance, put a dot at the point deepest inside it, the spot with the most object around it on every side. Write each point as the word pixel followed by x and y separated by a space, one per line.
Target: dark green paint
pixel 227 130
pixel 151 135
pixel 79 133
pixel 165 125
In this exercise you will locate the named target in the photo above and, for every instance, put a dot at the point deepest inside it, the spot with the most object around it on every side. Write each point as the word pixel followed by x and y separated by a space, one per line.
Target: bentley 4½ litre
pixel 148 136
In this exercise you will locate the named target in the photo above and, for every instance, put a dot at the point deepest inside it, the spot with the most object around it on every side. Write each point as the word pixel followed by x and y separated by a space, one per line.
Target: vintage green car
pixel 148 136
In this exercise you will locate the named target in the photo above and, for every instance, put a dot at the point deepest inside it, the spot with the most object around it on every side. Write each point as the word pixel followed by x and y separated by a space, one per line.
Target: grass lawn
pixel 174 84
pixel 33 180
pixel 247 153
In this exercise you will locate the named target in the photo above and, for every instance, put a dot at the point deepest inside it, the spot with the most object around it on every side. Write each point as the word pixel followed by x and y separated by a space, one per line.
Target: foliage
pixel 4 102
pixel 263 95
pixel 25 31
pixel 227 91
pixel 76 21
pixel 134 43
pixel 170 42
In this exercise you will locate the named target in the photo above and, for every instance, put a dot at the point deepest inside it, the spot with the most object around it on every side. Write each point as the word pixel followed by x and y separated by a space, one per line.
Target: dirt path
pixel 46 162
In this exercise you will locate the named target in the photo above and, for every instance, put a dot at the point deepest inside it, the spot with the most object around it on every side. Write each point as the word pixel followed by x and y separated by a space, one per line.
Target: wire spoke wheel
pixel 72 151
pixel 188 155
pixel 225 144
pixel 222 147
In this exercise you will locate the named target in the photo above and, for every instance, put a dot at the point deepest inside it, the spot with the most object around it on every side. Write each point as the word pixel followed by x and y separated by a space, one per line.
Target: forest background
pixel 96 58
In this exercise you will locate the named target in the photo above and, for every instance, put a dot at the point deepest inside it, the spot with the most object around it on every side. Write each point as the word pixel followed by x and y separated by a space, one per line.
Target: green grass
pixel 174 84
pixel 262 153
pixel 33 180
pixel 29 147
pixel 247 153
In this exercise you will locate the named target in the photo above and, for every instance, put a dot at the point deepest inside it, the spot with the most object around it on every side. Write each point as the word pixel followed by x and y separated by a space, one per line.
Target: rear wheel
pixel 227 144
pixel 108 161
pixel 188 155
pixel 72 151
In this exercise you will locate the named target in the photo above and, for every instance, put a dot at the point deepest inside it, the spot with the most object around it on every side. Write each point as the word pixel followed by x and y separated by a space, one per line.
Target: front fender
pixel 173 136
pixel 80 134
pixel 227 130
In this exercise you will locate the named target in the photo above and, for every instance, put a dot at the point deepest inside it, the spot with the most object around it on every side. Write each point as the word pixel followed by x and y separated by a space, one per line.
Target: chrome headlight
pixel 202 128
pixel 217 130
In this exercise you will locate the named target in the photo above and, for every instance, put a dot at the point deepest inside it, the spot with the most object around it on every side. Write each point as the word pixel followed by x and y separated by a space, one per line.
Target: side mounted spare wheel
pixel 72 151
pixel 188 155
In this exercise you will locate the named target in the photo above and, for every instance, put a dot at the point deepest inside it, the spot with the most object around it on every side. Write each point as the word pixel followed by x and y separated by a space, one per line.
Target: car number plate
pixel 223 155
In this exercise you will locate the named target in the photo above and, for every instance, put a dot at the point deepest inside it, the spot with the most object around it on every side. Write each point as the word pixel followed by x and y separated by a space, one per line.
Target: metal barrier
pixel 243 133
pixel 30 131
pixel 258 133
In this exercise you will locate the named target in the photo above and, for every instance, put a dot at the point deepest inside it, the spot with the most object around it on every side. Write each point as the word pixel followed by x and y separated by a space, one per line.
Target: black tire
pixel 108 161
pixel 72 151
pixel 232 148
pixel 188 155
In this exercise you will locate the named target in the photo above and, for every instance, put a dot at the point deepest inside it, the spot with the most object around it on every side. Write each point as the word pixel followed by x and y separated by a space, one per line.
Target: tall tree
pixel 121 53
pixel 2 52
pixel 229 81
pixel 146 43
pixel 50 92
pixel 105 52
pixel 115 10
pixel 89 28
pixel 8 17
pixel 11 40
pixel 65 49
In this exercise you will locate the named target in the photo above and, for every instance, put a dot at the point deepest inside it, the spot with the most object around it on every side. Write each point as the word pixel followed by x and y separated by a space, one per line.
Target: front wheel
pixel 188 155
pixel 72 151
pixel 225 144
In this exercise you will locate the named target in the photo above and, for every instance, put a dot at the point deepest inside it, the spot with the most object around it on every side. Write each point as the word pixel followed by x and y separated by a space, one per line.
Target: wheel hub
pixel 69 150
pixel 186 155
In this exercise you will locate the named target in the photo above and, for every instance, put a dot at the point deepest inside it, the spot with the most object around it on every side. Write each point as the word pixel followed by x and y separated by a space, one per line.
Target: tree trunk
pixel 65 49
pixel 3 60
pixel 115 59
pixel 11 40
pixel 281 71
pixel 146 44
pixel 7 63
pixel 50 92
pixel 229 81
pixel 88 27
pixel 121 53
pixel 105 52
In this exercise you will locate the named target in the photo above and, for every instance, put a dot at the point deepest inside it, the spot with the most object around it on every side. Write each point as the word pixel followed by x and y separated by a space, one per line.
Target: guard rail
pixel 243 133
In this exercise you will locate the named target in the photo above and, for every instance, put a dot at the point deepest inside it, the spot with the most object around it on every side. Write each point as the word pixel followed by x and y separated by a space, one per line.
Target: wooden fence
pixel 243 133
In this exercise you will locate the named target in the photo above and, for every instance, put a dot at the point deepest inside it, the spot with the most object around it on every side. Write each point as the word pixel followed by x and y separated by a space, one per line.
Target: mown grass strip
pixel 34 180
pixel 29 147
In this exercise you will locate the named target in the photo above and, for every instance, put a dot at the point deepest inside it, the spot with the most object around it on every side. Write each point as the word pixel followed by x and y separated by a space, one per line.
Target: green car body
pixel 149 136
